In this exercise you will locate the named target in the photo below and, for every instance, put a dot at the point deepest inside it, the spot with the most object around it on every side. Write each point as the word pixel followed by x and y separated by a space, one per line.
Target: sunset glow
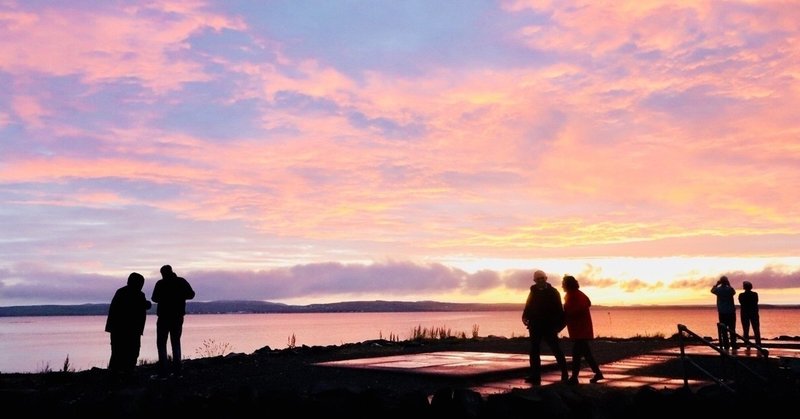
pixel 316 151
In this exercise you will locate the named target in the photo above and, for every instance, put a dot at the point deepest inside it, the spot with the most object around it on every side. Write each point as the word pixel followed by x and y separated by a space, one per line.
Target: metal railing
pixel 726 357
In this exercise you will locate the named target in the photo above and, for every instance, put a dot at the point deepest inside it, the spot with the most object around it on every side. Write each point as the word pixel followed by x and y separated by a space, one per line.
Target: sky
pixel 319 151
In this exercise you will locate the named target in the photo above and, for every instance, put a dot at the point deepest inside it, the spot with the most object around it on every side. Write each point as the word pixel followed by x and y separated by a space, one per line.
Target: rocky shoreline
pixel 272 382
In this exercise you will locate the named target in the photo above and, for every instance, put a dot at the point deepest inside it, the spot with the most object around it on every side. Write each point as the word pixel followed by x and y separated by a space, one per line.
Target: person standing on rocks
pixel 748 311
pixel 726 311
pixel 544 317
pixel 126 318
pixel 170 293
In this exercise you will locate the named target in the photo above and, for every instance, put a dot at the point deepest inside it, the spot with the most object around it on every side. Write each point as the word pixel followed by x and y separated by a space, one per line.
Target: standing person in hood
pixel 170 293
pixel 127 315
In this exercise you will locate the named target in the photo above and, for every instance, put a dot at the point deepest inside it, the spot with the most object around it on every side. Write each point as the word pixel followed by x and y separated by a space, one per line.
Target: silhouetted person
pixel 748 306
pixel 127 315
pixel 171 293
pixel 544 317
pixel 726 311
pixel 579 327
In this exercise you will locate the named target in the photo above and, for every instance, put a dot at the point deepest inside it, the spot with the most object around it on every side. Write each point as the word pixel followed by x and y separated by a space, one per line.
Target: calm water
pixel 32 344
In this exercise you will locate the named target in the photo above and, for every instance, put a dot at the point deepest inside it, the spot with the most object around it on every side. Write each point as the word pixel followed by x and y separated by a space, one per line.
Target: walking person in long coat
pixel 579 327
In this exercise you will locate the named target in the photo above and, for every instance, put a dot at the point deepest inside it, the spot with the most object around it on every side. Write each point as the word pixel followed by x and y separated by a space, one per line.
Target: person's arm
pixel 526 319
pixel 188 289
pixel 558 311
pixel 586 304
pixel 111 319
pixel 569 304
pixel 156 297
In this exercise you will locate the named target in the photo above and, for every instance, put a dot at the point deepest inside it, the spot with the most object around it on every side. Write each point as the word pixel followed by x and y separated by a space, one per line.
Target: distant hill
pixel 246 306
pixel 54 310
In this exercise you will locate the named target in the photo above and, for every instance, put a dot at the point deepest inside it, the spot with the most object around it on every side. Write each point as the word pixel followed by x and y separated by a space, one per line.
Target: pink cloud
pixel 132 43
pixel 29 110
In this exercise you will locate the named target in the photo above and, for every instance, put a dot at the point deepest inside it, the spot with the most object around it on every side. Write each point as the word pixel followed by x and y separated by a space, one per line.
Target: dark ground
pixel 269 381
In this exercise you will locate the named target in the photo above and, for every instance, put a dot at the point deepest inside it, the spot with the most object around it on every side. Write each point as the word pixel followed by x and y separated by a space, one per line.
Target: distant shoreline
pixel 265 307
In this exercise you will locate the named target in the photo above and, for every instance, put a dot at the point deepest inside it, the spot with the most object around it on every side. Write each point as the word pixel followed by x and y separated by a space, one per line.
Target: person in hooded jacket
pixel 544 317
pixel 125 322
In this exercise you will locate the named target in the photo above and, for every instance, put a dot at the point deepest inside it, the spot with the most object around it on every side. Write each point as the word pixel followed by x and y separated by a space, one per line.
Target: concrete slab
pixel 447 363
pixel 473 364
pixel 622 373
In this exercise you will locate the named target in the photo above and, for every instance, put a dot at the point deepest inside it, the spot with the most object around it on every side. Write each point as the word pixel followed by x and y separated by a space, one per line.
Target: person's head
pixel 539 277
pixel 136 280
pixel 723 280
pixel 569 283
pixel 747 285
pixel 166 271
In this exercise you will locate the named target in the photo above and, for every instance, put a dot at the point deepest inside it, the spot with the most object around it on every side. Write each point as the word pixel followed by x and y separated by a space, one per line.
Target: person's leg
pixel 598 375
pixel 587 353
pixel 175 340
pixel 730 320
pixel 128 360
pixel 535 358
pixel 162 333
pixel 555 347
pixel 756 329
pixel 136 345
pixel 724 334
pixel 578 352
pixel 114 361
pixel 746 329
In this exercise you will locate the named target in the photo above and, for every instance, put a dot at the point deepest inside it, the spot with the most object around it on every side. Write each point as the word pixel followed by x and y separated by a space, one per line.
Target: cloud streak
pixel 394 280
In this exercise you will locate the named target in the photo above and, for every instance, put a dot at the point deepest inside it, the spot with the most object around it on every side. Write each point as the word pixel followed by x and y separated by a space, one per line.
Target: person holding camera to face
pixel 726 310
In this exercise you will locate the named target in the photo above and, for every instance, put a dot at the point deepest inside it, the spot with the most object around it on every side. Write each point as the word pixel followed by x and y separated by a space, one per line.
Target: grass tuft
pixel 211 348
